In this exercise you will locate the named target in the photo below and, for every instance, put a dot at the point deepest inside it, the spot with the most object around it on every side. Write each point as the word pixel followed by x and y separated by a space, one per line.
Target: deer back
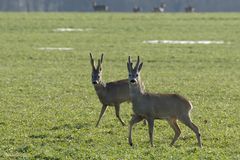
pixel 113 92
pixel 153 105
pixel 161 106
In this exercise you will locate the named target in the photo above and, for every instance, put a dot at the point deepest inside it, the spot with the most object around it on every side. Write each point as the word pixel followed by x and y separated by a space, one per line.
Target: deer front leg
pixel 104 107
pixel 117 110
pixel 150 129
pixel 135 119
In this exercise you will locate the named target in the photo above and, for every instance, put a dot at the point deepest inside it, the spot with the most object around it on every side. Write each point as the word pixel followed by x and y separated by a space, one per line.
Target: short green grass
pixel 48 107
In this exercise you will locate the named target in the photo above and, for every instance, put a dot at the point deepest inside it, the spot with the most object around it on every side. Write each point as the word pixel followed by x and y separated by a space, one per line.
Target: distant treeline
pixel 119 5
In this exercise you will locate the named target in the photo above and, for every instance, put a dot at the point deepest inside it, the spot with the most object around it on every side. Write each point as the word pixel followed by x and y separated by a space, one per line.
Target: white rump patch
pixel 182 42
pixel 54 49
pixel 71 29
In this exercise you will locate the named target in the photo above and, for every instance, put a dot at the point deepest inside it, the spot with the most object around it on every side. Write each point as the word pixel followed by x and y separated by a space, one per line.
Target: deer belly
pixel 144 112
pixel 164 114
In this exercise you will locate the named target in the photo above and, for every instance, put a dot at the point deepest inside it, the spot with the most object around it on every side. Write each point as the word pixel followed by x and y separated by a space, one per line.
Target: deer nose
pixel 133 81
pixel 94 82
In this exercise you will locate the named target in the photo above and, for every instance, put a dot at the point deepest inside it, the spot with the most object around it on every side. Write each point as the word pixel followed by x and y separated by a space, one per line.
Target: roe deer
pixel 99 8
pixel 111 93
pixel 149 106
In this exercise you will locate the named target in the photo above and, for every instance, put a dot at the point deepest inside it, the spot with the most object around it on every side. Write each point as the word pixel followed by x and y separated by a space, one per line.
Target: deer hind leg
pixel 150 129
pixel 117 110
pixel 187 121
pixel 172 122
pixel 104 107
pixel 135 119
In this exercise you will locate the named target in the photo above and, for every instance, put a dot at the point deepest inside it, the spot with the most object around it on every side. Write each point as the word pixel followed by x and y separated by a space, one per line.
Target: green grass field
pixel 48 106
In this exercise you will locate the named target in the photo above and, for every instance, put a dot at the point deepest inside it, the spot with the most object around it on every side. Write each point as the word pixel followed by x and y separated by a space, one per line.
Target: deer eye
pixel 136 75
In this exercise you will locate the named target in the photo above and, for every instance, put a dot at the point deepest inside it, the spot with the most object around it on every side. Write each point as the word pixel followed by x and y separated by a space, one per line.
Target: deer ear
pixel 140 67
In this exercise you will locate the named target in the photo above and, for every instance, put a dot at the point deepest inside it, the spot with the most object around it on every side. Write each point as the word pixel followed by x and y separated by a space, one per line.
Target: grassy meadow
pixel 48 106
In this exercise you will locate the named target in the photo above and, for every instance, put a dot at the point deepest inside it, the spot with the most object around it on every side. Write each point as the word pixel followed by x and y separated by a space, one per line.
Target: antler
pixel 101 58
pixel 137 64
pixel 129 64
pixel 129 59
pixel 92 60
pixel 99 64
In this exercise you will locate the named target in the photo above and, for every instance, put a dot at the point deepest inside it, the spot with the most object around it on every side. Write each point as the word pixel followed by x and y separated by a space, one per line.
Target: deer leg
pixel 135 119
pixel 104 107
pixel 150 129
pixel 117 110
pixel 197 134
pixel 172 122
pixel 187 121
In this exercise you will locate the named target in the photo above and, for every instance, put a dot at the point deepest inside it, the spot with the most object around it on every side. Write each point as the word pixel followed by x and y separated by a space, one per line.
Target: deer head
pixel 134 73
pixel 96 71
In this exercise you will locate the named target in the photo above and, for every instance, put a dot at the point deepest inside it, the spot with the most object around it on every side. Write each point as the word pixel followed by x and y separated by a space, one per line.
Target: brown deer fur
pixel 150 106
pixel 111 93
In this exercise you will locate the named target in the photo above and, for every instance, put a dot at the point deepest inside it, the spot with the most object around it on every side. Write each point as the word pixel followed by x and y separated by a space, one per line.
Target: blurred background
pixel 121 5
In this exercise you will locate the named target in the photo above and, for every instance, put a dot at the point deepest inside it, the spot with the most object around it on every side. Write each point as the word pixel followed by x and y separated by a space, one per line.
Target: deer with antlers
pixel 111 93
pixel 150 106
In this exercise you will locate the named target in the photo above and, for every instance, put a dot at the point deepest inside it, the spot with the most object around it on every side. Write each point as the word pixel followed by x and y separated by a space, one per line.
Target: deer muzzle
pixel 94 82
pixel 133 81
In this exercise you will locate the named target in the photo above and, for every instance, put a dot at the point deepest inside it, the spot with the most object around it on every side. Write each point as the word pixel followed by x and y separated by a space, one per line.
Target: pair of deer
pixel 146 106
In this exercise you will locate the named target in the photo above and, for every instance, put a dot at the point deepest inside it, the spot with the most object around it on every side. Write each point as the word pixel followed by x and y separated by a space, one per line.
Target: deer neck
pixel 136 90
pixel 100 89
